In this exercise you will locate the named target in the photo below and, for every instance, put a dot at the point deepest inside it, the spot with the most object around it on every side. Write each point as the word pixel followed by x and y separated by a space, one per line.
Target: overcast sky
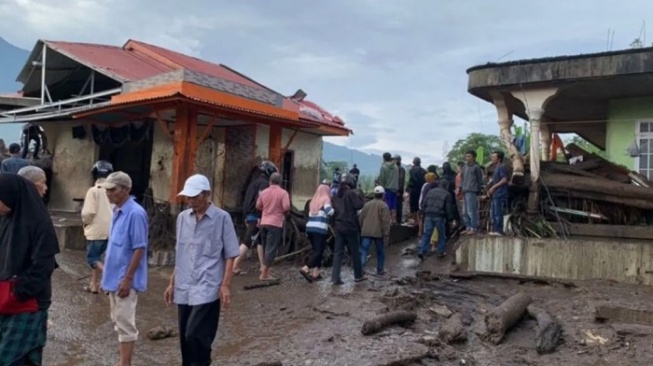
pixel 393 69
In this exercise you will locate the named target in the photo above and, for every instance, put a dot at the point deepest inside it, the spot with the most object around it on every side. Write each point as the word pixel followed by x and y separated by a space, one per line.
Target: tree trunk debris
pixel 262 284
pixel 549 331
pixel 378 324
pixel 500 319
pixel 452 330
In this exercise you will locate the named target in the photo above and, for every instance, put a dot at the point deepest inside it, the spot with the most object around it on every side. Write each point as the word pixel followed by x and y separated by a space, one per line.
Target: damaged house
pixel 606 201
pixel 162 116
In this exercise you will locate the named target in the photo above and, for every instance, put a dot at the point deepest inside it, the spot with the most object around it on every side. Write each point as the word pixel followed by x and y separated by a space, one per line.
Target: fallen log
pixel 376 325
pixel 286 256
pixel 262 284
pixel 549 331
pixel 584 184
pixel 452 330
pixel 570 169
pixel 500 319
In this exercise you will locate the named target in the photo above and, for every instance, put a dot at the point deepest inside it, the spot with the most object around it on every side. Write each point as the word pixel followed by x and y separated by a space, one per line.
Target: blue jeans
pixel 380 252
pixel 497 210
pixel 470 215
pixel 94 251
pixel 431 223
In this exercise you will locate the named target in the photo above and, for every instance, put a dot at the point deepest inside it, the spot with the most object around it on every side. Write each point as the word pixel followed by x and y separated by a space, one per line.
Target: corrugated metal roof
pixel 125 65
pixel 196 64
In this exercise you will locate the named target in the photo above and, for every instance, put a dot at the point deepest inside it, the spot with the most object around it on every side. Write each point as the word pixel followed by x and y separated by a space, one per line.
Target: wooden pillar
pixel 545 132
pixel 274 153
pixel 185 144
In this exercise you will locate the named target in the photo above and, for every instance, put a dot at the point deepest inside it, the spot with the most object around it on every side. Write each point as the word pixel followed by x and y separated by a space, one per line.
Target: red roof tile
pixel 127 66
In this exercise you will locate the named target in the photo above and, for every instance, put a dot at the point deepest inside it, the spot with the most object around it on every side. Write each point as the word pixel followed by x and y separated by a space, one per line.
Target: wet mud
pixel 297 323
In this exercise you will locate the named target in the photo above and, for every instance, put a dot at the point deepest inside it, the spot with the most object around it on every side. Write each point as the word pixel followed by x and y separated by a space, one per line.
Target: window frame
pixel 648 136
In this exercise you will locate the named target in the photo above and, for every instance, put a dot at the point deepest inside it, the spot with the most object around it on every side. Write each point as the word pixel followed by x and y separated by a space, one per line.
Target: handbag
pixel 9 303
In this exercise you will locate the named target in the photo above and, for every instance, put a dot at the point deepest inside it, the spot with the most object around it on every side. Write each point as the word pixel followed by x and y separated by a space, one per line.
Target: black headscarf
pixel 28 242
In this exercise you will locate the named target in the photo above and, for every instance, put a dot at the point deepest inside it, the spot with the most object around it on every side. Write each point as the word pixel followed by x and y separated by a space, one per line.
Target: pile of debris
pixel 591 189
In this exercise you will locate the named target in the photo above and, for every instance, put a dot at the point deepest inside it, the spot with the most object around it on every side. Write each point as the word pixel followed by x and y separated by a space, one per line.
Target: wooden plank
pixel 274 153
pixel 184 149
pixel 620 314
pixel 611 231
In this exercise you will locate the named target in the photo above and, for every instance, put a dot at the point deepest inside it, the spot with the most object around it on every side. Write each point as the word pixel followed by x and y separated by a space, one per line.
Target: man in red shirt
pixel 274 204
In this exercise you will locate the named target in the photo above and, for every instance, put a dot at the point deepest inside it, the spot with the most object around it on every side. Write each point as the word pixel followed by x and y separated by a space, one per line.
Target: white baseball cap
pixel 379 190
pixel 195 185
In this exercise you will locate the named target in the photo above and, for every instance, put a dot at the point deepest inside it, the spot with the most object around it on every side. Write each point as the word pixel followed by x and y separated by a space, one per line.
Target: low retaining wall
pixel 627 262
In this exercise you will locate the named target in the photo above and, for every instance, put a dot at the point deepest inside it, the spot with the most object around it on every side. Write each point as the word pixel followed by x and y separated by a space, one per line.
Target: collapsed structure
pixel 602 201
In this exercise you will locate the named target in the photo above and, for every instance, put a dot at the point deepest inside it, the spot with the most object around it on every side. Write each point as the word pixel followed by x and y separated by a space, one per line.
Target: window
pixel 645 139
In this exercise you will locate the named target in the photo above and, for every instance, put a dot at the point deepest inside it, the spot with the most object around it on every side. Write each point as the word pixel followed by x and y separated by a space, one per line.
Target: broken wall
pixel 72 161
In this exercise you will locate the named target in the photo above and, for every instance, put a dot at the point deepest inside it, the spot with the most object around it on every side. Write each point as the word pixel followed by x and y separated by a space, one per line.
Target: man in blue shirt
pixel 15 162
pixel 499 193
pixel 200 285
pixel 125 267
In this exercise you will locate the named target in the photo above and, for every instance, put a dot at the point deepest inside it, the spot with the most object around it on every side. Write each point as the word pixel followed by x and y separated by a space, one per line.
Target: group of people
pixel 116 227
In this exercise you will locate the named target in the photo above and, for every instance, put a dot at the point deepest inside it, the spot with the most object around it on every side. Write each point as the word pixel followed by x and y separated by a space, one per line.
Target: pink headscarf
pixel 321 197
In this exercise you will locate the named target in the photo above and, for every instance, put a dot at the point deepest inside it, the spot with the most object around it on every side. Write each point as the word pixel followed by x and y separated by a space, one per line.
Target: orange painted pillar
pixel 184 136
pixel 274 153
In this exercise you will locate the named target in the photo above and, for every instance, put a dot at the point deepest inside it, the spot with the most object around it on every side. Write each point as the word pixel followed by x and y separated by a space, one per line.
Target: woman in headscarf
pixel 346 204
pixel 317 228
pixel 28 244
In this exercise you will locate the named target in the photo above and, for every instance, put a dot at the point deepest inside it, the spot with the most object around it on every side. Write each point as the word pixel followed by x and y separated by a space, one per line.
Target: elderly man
pixel 274 204
pixel 14 163
pixel 35 175
pixel 206 247
pixel 125 266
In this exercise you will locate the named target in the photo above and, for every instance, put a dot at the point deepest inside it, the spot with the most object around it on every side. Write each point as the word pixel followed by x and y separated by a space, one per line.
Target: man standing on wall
pixel 274 203
pixel 125 267
pixel 200 285
pixel 498 192
pixel 355 172
pixel 389 180
pixel 400 189
pixel 472 183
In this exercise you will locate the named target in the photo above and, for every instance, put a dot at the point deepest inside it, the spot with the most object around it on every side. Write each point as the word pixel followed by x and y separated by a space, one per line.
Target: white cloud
pixel 394 70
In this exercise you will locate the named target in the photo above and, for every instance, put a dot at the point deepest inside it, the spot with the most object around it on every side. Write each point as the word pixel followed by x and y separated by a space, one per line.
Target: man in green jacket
pixel 389 180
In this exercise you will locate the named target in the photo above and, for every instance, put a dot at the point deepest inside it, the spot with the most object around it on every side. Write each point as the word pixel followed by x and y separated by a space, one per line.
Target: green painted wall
pixel 622 121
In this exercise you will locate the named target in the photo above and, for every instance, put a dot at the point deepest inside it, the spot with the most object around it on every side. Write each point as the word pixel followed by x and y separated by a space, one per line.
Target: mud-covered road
pixel 298 323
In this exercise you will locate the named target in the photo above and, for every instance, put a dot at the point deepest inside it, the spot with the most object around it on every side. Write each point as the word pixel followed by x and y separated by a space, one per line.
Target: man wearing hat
pixel 125 264
pixel 200 285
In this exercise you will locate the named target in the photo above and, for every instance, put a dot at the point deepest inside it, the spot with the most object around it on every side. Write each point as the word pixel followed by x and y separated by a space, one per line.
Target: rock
pixel 441 310
pixel 161 332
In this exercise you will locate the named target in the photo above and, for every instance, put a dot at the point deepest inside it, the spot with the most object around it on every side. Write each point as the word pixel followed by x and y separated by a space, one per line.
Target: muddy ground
pixel 298 323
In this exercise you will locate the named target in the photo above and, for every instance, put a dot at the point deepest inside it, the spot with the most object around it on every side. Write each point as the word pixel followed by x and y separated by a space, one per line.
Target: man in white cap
pixel 125 264
pixel 206 248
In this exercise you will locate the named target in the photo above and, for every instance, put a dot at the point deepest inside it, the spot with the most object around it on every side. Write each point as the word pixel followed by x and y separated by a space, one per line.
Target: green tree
pixel 585 145
pixel 366 183
pixel 473 141
pixel 329 166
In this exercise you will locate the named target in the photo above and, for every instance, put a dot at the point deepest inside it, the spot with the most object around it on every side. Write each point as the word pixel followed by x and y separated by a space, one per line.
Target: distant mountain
pixel 11 61
pixel 368 164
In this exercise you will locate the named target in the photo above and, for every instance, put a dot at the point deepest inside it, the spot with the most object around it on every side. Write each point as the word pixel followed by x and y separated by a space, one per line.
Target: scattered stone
pixel 441 310
pixel 452 330
pixel 161 332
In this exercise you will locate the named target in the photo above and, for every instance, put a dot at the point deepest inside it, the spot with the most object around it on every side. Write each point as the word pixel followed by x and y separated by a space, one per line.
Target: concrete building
pixel 161 116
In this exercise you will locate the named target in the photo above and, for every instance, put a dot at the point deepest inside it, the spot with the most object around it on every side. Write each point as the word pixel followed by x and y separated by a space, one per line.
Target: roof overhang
pixel 585 83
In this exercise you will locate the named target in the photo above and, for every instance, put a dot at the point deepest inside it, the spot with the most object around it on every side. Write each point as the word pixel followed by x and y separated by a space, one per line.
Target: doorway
pixel 288 170
pixel 129 149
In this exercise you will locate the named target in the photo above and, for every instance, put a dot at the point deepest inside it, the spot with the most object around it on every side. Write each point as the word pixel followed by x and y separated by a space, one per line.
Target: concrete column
pixel 535 101
pixel 546 141
pixel 505 125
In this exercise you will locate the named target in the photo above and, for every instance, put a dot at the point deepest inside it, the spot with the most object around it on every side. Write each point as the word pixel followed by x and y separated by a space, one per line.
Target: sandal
pixel 317 278
pixel 306 275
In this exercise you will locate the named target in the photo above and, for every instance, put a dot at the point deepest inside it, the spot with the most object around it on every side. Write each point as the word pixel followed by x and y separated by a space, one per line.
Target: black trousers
pixel 198 326
pixel 318 241
pixel 272 237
